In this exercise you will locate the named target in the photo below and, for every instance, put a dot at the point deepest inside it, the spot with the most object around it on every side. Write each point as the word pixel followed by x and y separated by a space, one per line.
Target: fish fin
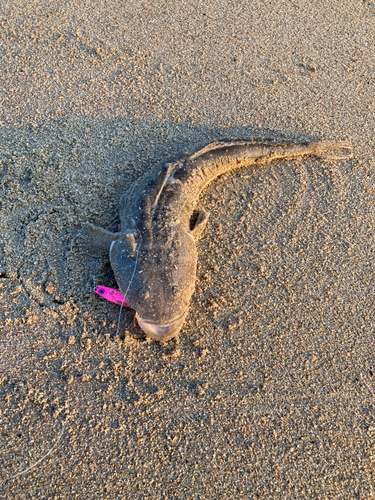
pixel 199 224
pixel 213 146
pixel 94 241
pixel 232 143
pixel 334 150
pixel 161 180
pixel 329 150
pixel 146 192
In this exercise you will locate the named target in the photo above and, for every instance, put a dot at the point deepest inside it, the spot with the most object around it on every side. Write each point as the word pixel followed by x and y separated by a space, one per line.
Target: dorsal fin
pixel 154 186
pixel 145 204
pixel 228 143
pixel 162 178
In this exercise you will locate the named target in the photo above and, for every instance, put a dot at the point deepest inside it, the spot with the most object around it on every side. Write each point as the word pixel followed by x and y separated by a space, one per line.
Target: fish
pixel 154 255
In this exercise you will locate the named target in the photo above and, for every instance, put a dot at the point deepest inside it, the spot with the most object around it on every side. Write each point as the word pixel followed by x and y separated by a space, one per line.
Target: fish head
pixel 157 278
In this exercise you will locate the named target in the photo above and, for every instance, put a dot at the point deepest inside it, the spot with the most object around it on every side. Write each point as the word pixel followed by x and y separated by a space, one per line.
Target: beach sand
pixel 269 390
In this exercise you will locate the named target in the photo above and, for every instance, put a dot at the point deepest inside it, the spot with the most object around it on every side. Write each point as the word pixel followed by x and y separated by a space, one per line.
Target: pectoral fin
pixel 199 225
pixel 94 241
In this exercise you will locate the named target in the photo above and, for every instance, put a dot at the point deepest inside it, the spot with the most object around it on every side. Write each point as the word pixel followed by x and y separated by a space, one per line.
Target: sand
pixel 269 390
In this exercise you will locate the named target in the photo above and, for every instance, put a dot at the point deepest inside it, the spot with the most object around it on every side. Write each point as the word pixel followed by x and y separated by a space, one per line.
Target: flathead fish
pixel 154 255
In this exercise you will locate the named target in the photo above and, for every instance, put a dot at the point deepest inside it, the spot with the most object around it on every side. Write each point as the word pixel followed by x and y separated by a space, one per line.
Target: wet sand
pixel 269 390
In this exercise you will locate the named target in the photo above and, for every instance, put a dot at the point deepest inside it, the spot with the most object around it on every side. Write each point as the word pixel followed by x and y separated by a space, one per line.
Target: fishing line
pixel 51 450
pixel 131 279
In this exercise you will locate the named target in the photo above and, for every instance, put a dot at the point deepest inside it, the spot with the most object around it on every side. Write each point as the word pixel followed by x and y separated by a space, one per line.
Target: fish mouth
pixel 160 332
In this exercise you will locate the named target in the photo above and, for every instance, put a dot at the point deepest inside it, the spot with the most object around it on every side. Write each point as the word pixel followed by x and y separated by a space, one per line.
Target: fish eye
pixel 175 291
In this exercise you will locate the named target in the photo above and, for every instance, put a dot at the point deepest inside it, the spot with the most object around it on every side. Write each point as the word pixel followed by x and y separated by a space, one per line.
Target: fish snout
pixel 160 332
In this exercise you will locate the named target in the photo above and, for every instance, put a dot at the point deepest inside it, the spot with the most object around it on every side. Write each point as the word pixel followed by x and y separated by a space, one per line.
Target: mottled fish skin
pixel 154 256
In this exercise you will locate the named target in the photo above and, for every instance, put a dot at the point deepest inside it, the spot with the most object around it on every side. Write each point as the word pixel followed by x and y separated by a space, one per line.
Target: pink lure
pixel 112 295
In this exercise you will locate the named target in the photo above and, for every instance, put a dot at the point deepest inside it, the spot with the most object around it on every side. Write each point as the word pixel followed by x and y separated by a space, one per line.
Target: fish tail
pixel 333 150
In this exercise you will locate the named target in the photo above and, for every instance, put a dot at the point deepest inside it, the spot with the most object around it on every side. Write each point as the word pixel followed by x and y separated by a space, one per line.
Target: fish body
pixel 154 255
